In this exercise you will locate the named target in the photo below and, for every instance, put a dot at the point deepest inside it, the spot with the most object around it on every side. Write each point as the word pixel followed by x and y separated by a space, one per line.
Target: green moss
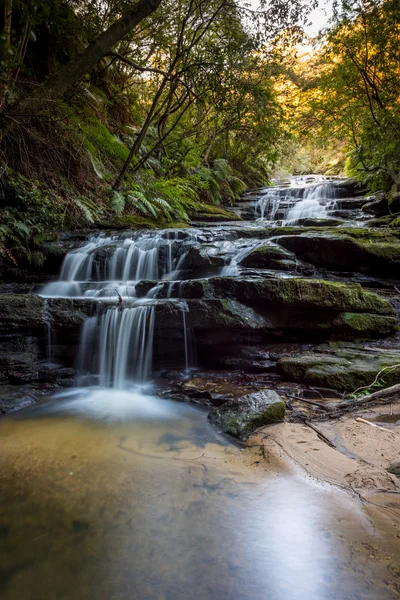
pixel 369 324
pixel 335 296
pixel 101 142
pixel 266 256
pixel 131 222
pixel 208 211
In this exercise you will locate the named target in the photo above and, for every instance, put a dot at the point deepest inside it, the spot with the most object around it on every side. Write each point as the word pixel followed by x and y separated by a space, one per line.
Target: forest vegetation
pixel 154 113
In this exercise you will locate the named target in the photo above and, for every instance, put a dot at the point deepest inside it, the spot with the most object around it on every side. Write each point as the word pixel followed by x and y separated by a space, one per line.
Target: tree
pixel 354 95
pixel 68 76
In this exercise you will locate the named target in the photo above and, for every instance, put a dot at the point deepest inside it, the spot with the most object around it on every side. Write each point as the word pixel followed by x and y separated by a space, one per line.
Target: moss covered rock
pixel 299 292
pixel 344 370
pixel 265 257
pixel 339 252
pixel 241 416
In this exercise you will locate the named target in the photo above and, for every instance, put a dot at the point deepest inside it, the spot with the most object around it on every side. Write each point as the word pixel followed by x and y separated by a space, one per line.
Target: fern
pixel 118 203
pixel 85 210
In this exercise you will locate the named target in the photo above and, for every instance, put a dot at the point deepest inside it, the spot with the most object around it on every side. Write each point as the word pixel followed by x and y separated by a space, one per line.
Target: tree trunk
pixel 7 22
pixel 59 85
pixel 67 77
pixel 140 137
pixel 8 7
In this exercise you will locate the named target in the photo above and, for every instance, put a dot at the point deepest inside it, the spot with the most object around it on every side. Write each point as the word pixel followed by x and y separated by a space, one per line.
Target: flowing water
pixel 108 492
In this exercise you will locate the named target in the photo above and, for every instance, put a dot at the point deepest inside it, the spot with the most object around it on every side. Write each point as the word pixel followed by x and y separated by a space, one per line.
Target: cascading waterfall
pixel 117 342
pixel 306 197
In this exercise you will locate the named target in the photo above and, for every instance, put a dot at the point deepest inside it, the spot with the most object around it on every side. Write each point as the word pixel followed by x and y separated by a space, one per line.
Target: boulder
pixel 344 370
pixel 204 257
pixel 241 416
pixel 382 204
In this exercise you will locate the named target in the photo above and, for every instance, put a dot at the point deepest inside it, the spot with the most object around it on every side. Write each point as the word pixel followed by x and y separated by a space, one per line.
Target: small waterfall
pixel 125 341
pixel 104 266
pixel 117 341
pixel 314 202
pixel 49 333
pixel 187 338
pixel 304 197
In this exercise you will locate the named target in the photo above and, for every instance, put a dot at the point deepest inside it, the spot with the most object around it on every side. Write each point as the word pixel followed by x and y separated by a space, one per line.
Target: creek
pixel 108 491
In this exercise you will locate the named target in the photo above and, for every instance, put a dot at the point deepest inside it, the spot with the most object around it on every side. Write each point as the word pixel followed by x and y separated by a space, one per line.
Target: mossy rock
pixel 209 213
pixel 299 292
pixel 265 257
pixel 241 416
pixel 131 222
pixel 344 371
pixel 342 253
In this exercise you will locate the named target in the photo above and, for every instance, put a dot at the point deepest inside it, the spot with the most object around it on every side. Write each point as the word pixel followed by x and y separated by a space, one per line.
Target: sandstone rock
pixel 263 256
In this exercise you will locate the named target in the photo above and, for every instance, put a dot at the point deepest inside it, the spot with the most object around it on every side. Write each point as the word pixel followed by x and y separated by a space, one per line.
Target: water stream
pixel 108 492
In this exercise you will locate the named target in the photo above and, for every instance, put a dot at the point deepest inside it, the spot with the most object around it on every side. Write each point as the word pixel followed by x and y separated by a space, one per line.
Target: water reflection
pixel 111 501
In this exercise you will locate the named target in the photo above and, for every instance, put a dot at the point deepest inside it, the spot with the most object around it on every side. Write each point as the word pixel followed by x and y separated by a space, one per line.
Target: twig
pixel 364 387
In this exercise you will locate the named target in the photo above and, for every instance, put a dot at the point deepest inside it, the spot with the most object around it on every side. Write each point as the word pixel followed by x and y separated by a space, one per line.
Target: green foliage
pixel 101 143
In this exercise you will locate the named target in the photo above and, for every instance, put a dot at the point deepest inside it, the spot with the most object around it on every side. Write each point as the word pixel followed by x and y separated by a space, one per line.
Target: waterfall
pixel 313 203
pixel 106 266
pixel 116 346
pixel 311 197
pixel 125 341
pixel 49 334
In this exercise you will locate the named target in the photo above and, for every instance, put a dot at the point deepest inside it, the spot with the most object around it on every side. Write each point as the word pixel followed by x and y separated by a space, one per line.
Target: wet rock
pixel 203 257
pixel 298 292
pixel 241 416
pixel 344 370
pixel 21 310
pixel 265 256
pixel 208 315
pixel 342 253
pixel 309 222
pixel 14 397
pixel 382 204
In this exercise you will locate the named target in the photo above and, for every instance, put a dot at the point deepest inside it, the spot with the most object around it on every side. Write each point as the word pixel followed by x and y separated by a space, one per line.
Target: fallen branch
pixel 385 393
pixel 312 402
pixel 365 387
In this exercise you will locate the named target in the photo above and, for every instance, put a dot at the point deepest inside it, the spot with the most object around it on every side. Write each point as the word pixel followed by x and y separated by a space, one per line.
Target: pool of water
pixel 119 495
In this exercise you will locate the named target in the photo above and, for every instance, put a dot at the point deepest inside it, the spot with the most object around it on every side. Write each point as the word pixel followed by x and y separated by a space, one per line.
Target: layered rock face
pixel 221 311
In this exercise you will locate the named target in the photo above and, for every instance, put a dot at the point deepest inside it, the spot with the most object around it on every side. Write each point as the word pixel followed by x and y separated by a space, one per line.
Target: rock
pixel 298 292
pixel 241 416
pixel 21 310
pixel 263 256
pixel 344 370
pixel 204 257
pixel 382 204
pixel 341 253
pixel 314 222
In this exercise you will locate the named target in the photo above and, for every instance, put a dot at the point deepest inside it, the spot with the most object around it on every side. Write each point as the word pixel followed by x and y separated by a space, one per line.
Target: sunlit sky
pixel 318 18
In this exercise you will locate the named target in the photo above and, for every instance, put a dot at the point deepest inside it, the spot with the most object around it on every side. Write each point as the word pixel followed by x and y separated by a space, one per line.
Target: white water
pixel 106 267
pixel 116 343
pixel 305 197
